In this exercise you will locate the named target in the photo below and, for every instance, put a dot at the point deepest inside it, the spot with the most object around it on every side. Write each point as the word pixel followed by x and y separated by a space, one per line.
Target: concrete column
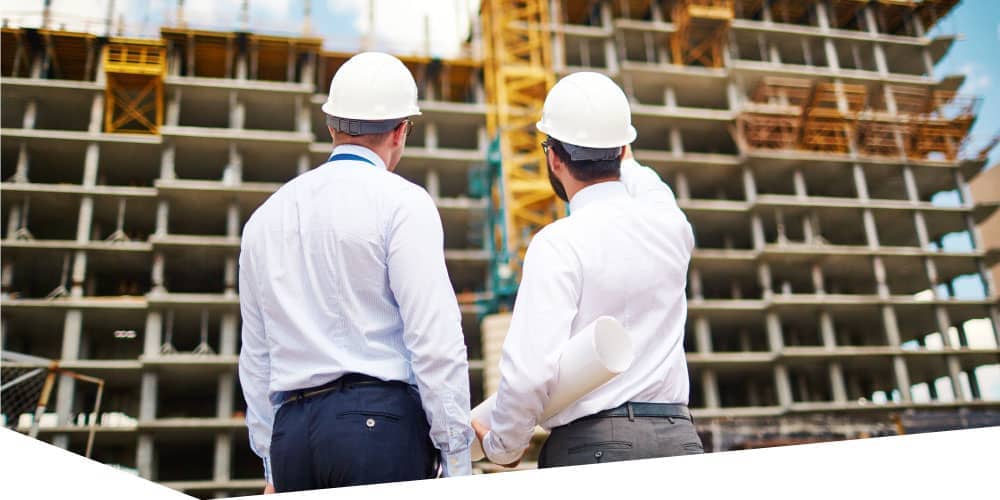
pixel 703 335
pixel 173 117
pixel 881 63
pixel 433 184
pixel 153 335
pixel 224 408
pixel 710 388
pixel 757 227
pixel 431 136
pixel 683 189
pixel 902 375
pixel 223 454
pixel 303 123
pixel 96 114
pixel 228 334
pixel 90 163
pixel 765 12
pixel 30 114
pixel 807 55
pixel 912 193
pixel 878 269
pixel 162 217
pixel 773 55
pixel 822 16
pixel 871 232
pixel 610 55
pixel 144 458
pixel 148 395
pixel 774 336
pixel 303 165
pixel 233 173
pixel 870 22
pixel 21 172
pixel 308 75
pixel 800 184
pixel 694 279
pixel 676 142
pixel 167 171
pixel 733 96
pixel 831 54
pixel 669 97
pixel 928 62
pixel 921 225
pixel 783 386
pixel 229 278
pixel 764 279
pixel 157 274
pixel 237 111
pixel 72 333
pixel 749 185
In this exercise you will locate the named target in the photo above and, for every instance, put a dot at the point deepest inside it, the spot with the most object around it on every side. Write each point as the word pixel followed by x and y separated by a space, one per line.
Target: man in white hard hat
pixel 623 252
pixel 353 363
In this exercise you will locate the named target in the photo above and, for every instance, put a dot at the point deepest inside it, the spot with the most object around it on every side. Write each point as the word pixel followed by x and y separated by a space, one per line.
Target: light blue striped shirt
pixel 342 270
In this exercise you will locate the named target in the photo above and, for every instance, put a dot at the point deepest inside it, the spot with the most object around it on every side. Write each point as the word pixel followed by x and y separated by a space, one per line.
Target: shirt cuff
pixel 494 451
pixel 458 463
pixel 267 472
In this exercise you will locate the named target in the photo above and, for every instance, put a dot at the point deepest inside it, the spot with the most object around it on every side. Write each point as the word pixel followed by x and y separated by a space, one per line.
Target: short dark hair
pixel 585 170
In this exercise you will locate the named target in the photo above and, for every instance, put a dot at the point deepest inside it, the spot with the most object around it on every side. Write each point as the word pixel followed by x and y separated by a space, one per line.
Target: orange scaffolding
pixel 945 127
pixel 449 79
pixel 748 9
pixel 133 94
pixel 69 55
pixel 789 11
pixel 828 119
pixel 773 117
pixel 931 11
pixel 276 58
pixel 845 11
pixel 701 31
pixel 202 53
pixel 892 14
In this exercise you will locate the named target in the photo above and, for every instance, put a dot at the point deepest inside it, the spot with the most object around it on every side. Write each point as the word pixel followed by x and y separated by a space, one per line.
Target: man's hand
pixel 268 489
pixel 481 431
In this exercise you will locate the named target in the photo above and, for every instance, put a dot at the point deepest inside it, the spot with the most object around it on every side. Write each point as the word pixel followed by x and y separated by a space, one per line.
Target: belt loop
pixel 631 413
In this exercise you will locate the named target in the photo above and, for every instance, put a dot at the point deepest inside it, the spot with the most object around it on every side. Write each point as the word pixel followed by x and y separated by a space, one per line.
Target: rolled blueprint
pixel 590 359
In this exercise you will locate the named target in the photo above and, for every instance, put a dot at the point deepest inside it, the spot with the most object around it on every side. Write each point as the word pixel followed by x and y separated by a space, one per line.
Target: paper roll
pixel 590 359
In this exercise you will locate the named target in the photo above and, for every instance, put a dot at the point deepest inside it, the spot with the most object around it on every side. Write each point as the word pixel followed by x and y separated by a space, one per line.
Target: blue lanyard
pixel 349 156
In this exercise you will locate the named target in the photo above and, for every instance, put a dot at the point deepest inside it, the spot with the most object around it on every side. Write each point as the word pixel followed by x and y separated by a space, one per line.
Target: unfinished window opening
pixel 48 218
pixel 123 219
pixel 64 112
pixel 801 329
pixel 810 384
pixel 791 280
pixel 119 404
pixel 856 56
pixel 706 183
pixel 746 336
pixel 8 160
pixel 728 281
pixel 194 273
pixel 749 46
pixel 201 161
pixel 829 180
pixel 722 230
pixel 191 218
pixel 112 334
pixel 885 182
pixel 269 112
pixel 865 376
pixel 264 164
pixel 187 331
pixel 56 165
pixel 710 138
pixel 750 387
pixel 39 332
pixel 107 280
pixel 585 52
pixel 457 136
pixel 202 109
pixel 12 111
pixel 852 275
pixel 185 459
pixel 839 226
pixel 245 464
pixel 187 395
pixel 122 164
pixel 120 456
pixel 905 275
pixel 584 13
pixel 770 181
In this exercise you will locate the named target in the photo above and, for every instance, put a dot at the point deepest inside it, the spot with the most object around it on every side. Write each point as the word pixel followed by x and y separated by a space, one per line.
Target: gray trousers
pixel 594 440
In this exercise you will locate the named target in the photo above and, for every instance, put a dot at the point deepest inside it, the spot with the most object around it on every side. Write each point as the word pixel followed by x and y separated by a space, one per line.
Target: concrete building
pixel 804 140
pixel 985 190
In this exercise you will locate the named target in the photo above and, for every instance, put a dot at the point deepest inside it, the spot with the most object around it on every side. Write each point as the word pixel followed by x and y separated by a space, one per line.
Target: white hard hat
pixel 372 86
pixel 587 109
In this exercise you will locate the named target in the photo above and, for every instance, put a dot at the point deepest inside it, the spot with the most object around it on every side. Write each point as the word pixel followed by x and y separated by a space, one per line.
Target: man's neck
pixel 382 152
pixel 580 186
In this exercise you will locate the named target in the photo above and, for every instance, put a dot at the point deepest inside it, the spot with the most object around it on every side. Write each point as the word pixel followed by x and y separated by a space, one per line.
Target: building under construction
pixel 805 140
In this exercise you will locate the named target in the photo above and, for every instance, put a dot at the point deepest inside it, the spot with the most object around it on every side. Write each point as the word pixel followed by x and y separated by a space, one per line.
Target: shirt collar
pixel 361 151
pixel 596 192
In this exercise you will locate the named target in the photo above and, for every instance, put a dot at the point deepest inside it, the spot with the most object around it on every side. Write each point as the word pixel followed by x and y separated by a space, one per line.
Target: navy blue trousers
pixel 364 434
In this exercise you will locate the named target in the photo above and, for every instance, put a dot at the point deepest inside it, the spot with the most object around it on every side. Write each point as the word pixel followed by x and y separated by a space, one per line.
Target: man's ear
pixel 399 135
pixel 555 162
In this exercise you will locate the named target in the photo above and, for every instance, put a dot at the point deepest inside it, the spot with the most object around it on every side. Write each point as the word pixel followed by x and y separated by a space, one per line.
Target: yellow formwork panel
pixel 702 27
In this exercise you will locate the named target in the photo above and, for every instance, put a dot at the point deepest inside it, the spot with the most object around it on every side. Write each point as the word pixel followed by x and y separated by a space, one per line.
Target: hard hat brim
pixel 596 143
pixel 331 110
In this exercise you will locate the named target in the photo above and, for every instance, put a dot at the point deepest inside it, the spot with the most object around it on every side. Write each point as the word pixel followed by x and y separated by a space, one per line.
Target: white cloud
pixel 437 27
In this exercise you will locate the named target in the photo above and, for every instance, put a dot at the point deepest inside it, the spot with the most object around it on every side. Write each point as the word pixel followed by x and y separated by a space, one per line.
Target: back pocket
pixel 603 445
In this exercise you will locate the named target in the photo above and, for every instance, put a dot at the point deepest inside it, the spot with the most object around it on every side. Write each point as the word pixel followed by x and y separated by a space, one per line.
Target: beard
pixel 557 185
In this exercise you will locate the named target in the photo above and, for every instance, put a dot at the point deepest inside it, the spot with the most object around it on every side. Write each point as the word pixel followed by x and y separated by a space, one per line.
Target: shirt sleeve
pixel 540 326
pixel 644 183
pixel 255 368
pixel 432 327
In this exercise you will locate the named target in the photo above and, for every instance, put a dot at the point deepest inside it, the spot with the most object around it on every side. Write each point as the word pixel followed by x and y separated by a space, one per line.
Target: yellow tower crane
pixel 517 75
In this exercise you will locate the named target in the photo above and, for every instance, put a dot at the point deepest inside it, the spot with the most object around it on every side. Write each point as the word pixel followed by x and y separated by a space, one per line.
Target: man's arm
pixel 543 317
pixel 642 181
pixel 432 327
pixel 255 369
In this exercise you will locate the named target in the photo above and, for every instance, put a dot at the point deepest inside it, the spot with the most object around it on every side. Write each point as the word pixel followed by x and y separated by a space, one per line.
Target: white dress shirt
pixel 342 270
pixel 623 252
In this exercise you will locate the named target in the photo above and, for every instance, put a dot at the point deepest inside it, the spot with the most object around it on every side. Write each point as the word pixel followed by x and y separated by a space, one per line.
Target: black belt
pixel 345 382
pixel 631 410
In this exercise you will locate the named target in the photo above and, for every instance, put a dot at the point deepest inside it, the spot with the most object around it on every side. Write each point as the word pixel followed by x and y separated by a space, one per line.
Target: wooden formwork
pixel 632 9
pixel 789 11
pixel 578 11
pixel 748 9
pixel 203 53
pixel 931 11
pixel 910 101
pixel 845 11
pixel 781 91
pixel 443 79
pixel 702 31
pixel 828 121
pixel 276 58
pixel 17 53
pixel 69 55
pixel 892 14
